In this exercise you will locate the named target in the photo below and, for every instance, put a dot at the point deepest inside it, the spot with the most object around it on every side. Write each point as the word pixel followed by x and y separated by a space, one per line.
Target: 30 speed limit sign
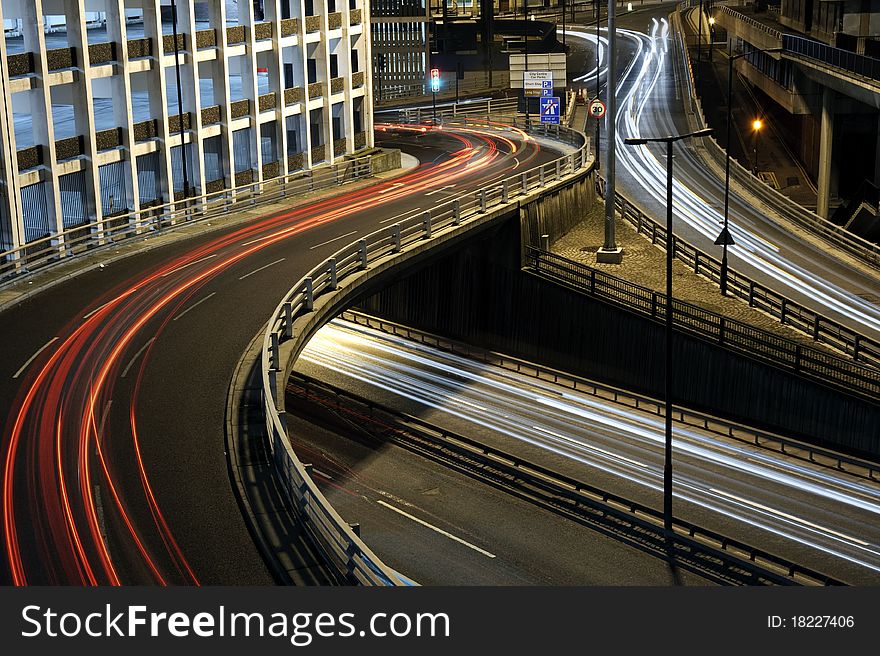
pixel 597 108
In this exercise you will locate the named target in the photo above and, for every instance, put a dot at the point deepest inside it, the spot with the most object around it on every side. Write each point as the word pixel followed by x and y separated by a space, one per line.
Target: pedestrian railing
pixel 86 238
pixel 828 369
pixel 851 62
pixel 295 320
pixel 783 206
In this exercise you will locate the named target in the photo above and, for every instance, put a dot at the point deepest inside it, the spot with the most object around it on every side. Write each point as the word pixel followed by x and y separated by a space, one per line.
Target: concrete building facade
pixel 105 114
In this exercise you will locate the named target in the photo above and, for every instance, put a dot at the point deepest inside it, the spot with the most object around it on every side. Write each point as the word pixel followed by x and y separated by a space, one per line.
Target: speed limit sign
pixel 597 108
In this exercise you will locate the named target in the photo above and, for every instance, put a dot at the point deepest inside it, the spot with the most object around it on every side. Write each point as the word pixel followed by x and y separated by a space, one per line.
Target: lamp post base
pixel 609 256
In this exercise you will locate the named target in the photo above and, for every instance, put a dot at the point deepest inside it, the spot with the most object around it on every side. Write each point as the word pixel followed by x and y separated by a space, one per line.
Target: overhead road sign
pixel 550 109
pixel 534 82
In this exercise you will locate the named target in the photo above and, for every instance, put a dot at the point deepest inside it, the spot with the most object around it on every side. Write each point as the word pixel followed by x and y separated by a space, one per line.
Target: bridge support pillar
pixel 826 143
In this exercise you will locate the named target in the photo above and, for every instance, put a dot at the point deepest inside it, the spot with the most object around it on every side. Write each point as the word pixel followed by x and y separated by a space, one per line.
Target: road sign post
pixel 435 87
pixel 550 109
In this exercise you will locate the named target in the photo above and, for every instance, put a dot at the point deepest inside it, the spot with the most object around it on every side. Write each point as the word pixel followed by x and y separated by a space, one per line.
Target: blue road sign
pixel 550 109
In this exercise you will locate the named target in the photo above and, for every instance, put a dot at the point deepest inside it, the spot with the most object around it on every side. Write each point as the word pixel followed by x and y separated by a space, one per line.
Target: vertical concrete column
pixel 323 52
pixel 272 14
pixel 191 95
pixel 306 116
pixel 120 85
pixel 220 82
pixel 367 45
pixel 40 98
pixel 345 71
pixel 249 84
pixel 10 197
pixel 84 117
pixel 158 101
pixel 826 143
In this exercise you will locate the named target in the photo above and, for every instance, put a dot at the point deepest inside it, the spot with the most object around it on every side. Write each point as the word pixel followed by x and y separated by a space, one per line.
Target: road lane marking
pixel 196 304
pixel 438 530
pixel 790 517
pixel 258 239
pixel 136 356
pixel 207 257
pixel 265 266
pixel 322 474
pixel 86 316
pixel 391 188
pixel 402 214
pixel 592 447
pixel 441 189
pixel 33 357
pixel 330 241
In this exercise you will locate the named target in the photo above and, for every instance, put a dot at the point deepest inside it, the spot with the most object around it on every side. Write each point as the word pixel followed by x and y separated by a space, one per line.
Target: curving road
pixel 817 516
pixel 115 382
pixel 651 105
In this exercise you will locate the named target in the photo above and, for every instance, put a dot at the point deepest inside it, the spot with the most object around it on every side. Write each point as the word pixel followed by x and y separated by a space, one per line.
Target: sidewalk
pixel 645 264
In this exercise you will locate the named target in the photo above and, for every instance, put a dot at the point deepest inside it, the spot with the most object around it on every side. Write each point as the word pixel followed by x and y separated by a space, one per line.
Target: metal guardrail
pixel 731 430
pixel 86 238
pixel 844 374
pixel 790 313
pixel 339 542
pixel 781 204
pixel 837 57
pixel 491 108
pixel 774 33
pixel 722 557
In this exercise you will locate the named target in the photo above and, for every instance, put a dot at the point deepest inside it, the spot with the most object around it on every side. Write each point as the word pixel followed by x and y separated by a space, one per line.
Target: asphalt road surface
pixel 115 382
pixel 816 516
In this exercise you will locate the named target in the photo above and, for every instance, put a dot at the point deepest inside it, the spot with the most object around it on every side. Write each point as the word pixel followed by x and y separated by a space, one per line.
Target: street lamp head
pixel 711 21
pixel 705 132
pixel 635 141
pixel 756 124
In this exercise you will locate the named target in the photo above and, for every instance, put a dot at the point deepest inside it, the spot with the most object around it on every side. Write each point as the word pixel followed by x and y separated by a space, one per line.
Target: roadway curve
pixel 816 516
pixel 113 462
pixel 650 104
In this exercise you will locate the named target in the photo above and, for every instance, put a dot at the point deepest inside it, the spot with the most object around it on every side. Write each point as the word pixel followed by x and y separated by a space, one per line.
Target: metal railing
pixel 718 329
pixel 504 108
pixel 723 558
pixel 781 204
pixel 343 547
pixel 709 423
pixel 837 57
pixel 151 220
pixel 790 313
pixel 758 25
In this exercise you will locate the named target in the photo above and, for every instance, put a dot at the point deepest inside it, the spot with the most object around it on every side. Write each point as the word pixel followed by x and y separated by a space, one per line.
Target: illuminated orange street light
pixel 756 126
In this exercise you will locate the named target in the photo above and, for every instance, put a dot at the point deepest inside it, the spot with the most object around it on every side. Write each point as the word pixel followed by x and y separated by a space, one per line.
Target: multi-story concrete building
pixel 101 121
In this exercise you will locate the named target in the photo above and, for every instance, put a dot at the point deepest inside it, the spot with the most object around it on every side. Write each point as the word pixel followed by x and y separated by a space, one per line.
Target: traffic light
pixel 435 80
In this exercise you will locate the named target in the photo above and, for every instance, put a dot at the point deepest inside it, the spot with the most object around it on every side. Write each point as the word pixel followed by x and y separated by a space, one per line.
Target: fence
pixel 837 57
pixel 729 333
pixel 819 328
pixel 783 206
pixel 338 541
pixel 87 237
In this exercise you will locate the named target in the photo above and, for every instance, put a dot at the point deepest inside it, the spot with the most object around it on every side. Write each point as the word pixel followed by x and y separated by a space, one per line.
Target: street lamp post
pixel 670 247
pixel 711 35
pixel 700 52
pixel 724 238
pixel 756 126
